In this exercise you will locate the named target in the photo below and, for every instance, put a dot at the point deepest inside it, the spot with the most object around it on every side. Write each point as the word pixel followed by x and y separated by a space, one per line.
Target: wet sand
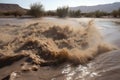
pixel 23 37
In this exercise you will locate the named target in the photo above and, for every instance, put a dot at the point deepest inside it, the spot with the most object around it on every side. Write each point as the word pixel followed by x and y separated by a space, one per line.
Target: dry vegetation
pixel 36 10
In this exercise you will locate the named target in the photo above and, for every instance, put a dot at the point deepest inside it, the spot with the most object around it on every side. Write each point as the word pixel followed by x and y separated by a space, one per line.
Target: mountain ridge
pixel 101 7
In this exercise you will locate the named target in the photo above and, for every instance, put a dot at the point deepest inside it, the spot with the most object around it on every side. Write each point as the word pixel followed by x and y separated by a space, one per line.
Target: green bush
pixel 36 10
pixel 62 11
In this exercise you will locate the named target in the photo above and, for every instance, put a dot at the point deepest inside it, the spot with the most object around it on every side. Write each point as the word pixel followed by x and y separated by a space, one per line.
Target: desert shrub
pixel 90 14
pixel 36 10
pixel 97 14
pixel 1 13
pixel 116 13
pixel 7 13
pixel 119 12
pixel 62 11
pixel 18 13
pixel 14 13
pixel 75 13
pixel 50 13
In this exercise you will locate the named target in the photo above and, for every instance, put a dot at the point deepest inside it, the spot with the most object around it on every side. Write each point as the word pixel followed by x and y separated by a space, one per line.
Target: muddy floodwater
pixel 59 49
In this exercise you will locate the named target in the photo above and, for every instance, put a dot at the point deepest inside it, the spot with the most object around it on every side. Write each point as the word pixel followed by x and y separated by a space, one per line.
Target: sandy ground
pixel 47 49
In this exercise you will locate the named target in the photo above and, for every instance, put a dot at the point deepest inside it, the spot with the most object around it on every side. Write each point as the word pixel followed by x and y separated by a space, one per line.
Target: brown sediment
pixel 56 44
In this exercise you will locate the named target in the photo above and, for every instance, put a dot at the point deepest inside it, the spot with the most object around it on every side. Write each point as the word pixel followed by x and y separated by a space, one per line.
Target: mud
pixel 47 44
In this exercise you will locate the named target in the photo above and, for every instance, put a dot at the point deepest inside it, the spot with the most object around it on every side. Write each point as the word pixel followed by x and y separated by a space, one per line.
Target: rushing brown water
pixel 56 43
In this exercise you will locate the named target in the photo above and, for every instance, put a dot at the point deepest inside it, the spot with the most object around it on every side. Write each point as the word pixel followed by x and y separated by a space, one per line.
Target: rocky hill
pixel 10 7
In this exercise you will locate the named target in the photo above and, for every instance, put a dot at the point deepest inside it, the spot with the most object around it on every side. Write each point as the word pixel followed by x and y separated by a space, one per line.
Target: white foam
pixel 81 71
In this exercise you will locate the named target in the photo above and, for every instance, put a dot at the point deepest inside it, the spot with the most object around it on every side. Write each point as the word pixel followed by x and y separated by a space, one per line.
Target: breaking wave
pixel 56 44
